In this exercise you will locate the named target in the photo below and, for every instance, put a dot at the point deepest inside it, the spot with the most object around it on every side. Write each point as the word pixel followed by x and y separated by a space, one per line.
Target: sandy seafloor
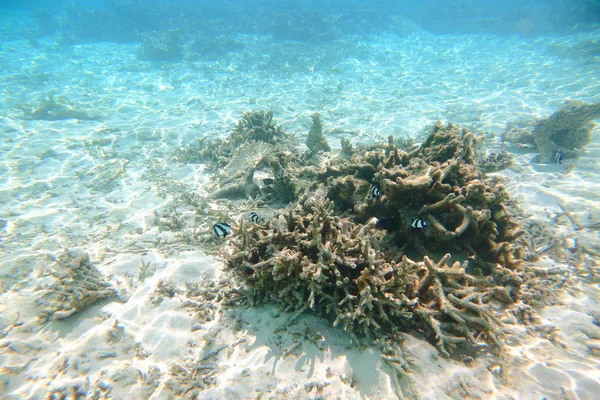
pixel 96 185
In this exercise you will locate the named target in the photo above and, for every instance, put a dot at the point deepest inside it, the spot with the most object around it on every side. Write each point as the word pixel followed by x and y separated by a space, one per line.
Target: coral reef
pixel 255 160
pixel 328 264
pixel 439 182
pixel 358 258
pixel 568 129
pixel 78 284
pixel 315 141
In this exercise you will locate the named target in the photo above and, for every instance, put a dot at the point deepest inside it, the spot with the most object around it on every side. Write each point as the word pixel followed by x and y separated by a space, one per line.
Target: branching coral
pixel 318 261
pixel 439 183
pixel 342 252
pixel 78 284
pixel 255 127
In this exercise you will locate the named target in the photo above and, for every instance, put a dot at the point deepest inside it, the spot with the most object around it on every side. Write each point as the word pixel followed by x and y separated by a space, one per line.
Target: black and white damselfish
pixel 254 217
pixel 419 224
pixel 375 192
pixel 558 157
pixel 221 229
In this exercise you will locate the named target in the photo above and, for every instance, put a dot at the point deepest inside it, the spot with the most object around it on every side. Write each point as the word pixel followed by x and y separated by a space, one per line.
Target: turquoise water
pixel 96 97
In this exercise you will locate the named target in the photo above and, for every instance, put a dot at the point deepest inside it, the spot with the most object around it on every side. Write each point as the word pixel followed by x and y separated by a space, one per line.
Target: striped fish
pixel 254 217
pixel 558 157
pixel 221 229
pixel 419 224
pixel 375 192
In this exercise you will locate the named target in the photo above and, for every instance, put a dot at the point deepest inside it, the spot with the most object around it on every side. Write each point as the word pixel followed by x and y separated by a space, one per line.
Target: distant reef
pixel 132 20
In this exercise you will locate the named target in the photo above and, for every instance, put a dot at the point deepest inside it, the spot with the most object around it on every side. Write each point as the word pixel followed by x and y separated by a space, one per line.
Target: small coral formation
pixel 495 161
pixel 164 289
pixel 347 148
pixel 256 159
pixel 53 108
pixel 253 128
pixel 316 141
pixel 205 299
pixel 189 381
pixel 256 126
pixel 516 135
pixel 568 129
pixel 163 47
pixel 78 284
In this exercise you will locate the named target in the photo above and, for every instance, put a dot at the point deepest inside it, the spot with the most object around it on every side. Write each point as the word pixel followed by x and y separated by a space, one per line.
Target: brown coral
pixel 78 285
pixel 346 253
pixel 439 183
pixel 318 261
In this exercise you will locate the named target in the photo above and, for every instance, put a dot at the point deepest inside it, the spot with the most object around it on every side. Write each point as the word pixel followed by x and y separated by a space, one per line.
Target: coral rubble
pixel 568 129
pixel 78 284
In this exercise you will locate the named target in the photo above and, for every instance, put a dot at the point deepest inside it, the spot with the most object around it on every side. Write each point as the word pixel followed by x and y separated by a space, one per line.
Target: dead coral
pixel 54 108
pixel 495 161
pixel 188 381
pixel 78 284
pixel 315 260
pixel 253 128
pixel 256 126
pixel 439 183
pixel 316 141
pixel 516 135
pixel 568 129
pixel 205 300
pixel 164 289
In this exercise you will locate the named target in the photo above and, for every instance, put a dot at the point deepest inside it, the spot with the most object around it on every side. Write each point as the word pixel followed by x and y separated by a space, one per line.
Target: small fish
pixel 558 157
pixel 221 229
pixel 375 192
pixel 279 175
pixel 254 217
pixel 419 224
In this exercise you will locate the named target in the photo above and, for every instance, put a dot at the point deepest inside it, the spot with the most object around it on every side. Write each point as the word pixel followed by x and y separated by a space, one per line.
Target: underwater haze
pixel 299 199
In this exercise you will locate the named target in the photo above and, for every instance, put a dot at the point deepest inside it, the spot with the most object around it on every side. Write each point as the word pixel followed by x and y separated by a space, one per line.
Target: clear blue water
pixel 133 81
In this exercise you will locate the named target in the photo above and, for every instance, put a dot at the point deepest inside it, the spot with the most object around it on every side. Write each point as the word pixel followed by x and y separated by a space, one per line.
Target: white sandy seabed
pixel 93 185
